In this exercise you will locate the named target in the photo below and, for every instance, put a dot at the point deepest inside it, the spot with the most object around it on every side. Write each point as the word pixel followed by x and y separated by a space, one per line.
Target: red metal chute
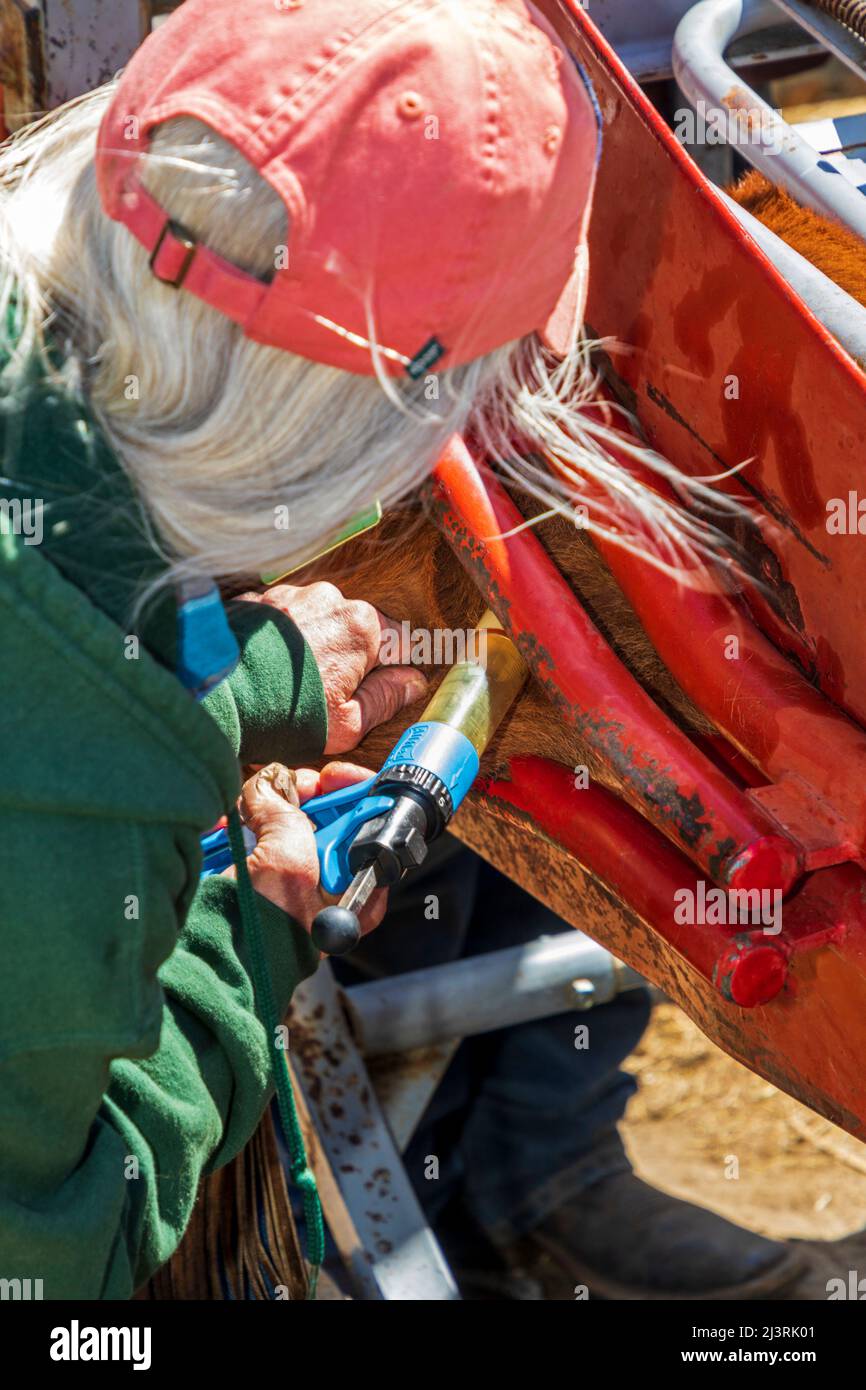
pixel 774 801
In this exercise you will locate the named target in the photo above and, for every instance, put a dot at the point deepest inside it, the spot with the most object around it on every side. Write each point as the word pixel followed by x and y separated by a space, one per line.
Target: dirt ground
pixel 699 1116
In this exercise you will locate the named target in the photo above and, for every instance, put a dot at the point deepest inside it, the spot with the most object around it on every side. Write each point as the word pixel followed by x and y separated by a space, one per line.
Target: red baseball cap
pixel 436 159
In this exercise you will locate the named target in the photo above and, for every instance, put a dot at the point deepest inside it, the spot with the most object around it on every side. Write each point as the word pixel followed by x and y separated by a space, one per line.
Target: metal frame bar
pixel 54 50
pixel 842 42
pixel 643 36
pixel 759 132
pixel 425 1008
pixel 372 1212
pixel 357 1120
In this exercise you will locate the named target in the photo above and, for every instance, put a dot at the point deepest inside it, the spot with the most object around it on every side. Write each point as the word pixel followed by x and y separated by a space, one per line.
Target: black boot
pixel 621 1239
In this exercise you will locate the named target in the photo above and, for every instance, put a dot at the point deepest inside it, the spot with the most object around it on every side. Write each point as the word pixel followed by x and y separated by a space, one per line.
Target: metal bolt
pixel 583 992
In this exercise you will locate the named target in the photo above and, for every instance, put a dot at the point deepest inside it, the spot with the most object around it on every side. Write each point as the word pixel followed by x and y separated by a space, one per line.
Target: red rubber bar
pixel 616 845
pixel 662 773
pixel 759 700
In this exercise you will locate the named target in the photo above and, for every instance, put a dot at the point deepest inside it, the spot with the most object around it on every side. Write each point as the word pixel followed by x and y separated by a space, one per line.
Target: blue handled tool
pixel 368 835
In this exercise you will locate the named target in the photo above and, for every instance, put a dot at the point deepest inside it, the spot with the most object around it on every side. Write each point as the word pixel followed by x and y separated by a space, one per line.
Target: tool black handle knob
pixel 336 930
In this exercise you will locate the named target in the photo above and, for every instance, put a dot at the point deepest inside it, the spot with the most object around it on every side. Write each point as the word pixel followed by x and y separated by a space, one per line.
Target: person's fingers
pixel 336 775
pixel 283 866
pixel 265 795
pixel 378 698
pixel 332 777
pixel 308 781
pixel 389 628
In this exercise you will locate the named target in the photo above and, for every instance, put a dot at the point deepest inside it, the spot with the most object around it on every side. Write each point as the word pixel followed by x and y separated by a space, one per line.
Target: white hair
pixel 220 434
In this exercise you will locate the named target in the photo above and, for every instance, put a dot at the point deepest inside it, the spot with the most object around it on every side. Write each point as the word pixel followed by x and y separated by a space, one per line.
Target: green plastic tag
pixel 362 521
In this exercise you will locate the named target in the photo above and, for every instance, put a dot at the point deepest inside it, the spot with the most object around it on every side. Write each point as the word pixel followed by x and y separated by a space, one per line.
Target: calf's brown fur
pixel 830 246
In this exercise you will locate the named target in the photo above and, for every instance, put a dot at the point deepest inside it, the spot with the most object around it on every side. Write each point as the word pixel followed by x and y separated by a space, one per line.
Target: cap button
pixel 410 105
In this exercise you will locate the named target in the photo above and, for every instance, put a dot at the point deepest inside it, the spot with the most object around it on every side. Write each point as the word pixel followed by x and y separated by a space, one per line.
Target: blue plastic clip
pixel 337 818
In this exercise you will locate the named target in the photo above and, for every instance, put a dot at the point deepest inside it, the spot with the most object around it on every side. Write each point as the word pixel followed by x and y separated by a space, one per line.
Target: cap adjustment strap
pixel 172 255
pixel 178 260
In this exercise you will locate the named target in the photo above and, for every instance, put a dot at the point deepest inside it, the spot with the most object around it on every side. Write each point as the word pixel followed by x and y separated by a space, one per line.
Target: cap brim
pixel 562 329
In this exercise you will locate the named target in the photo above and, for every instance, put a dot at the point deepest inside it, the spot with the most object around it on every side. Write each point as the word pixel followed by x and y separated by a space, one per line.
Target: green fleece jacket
pixel 131 1057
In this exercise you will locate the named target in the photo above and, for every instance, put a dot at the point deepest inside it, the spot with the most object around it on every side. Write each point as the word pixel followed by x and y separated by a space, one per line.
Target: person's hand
pixel 284 866
pixel 344 636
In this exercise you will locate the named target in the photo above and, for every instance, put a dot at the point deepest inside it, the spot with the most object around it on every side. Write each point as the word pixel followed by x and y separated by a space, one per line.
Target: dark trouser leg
pixel 524 1127
pixel 541 1122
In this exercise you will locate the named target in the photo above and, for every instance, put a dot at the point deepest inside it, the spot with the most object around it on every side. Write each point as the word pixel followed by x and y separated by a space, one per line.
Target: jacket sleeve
pixel 272 707
pixel 113 1104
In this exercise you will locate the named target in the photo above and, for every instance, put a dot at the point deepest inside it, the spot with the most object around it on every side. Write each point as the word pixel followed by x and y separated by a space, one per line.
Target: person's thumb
pixel 269 801
pixel 284 865
pixel 380 696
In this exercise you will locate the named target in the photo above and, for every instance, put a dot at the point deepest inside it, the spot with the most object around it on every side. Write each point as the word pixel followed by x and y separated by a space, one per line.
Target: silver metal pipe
pixel 426 1007
pixel 642 36
pixel 846 45
pixel 843 316
pixel 759 132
